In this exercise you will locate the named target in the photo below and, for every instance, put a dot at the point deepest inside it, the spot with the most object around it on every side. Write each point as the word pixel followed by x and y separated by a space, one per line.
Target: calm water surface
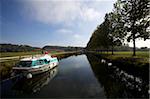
pixel 75 76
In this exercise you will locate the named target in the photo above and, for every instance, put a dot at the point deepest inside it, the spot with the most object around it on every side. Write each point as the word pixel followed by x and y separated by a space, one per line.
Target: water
pixel 77 77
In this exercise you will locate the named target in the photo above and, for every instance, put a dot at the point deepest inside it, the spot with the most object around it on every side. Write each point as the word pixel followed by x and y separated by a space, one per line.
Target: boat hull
pixel 33 70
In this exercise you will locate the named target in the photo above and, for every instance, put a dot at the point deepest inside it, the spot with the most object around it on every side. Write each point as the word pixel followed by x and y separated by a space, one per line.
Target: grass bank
pixel 141 56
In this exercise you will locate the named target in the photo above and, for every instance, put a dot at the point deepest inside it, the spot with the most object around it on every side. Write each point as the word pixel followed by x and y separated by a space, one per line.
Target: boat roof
pixel 37 57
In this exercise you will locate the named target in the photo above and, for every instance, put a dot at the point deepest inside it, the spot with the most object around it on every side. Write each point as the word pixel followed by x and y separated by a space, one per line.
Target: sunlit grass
pixel 141 56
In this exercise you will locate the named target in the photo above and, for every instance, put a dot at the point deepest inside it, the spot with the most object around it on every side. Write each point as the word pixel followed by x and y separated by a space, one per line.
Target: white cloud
pixel 77 36
pixel 82 17
pixel 64 31
pixel 71 37
pixel 69 33
pixel 90 14
pixel 141 43
pixel 53 12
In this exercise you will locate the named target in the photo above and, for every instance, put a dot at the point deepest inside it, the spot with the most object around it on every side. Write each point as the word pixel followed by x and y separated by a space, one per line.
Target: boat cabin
pixel 31 62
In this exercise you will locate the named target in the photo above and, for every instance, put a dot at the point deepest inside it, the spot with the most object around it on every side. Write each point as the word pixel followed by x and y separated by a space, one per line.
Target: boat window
pixel 40 62
pixel 25 64
pixel 54 60
pixel 46 62
pixel 34 63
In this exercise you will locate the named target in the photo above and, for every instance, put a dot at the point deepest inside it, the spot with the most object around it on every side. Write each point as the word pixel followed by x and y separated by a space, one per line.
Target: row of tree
pixel 129 21
pixel 61 48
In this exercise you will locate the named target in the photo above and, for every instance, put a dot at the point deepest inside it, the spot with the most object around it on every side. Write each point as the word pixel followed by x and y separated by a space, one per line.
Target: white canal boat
pixel 35 65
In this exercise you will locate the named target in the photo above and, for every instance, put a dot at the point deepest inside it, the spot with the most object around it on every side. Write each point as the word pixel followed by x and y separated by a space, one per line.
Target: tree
pixel 115 25
pixel 109 33
pixel 99 39
pixel 137 19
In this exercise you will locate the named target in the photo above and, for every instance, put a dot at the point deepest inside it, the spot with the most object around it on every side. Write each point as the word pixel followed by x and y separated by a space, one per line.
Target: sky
pixel 53 22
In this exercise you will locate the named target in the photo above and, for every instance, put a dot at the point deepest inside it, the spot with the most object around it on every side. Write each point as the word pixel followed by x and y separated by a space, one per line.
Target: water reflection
pixel 35 84
pixel 117 83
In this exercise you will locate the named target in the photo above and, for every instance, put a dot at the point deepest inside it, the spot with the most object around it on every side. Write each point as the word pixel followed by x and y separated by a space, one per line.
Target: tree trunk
pixel 107 51
pixel 112 50
pixel 134 49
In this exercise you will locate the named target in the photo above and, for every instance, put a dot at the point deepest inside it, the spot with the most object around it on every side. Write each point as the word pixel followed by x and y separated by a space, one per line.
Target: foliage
pixel 129 19
pixel 115 31
pixel 110 33
pixel 99 39
pixel 136 16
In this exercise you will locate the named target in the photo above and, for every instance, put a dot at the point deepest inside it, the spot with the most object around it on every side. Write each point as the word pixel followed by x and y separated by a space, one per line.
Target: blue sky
pixel 51 22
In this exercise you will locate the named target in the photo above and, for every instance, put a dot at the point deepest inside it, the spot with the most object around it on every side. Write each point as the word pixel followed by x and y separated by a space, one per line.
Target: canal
pixel 81 76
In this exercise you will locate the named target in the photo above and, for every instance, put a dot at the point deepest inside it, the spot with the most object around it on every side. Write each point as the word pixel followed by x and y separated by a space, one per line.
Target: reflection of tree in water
pixel 36 83
pixel 113 86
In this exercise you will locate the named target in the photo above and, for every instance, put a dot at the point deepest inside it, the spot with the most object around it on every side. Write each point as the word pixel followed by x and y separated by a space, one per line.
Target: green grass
pixel 129 53
pixel 141 56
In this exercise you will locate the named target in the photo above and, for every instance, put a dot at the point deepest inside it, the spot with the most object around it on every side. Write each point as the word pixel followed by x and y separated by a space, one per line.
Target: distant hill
pixel 25 48
pixel 17 48
pixel 61 48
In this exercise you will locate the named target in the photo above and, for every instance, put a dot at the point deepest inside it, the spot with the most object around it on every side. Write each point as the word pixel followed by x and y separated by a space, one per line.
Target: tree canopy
pixel 129 20
pixel 136 15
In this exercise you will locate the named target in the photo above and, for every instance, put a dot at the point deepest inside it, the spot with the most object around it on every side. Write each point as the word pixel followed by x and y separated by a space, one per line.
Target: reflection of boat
pixel 35 65
pixel 36 83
